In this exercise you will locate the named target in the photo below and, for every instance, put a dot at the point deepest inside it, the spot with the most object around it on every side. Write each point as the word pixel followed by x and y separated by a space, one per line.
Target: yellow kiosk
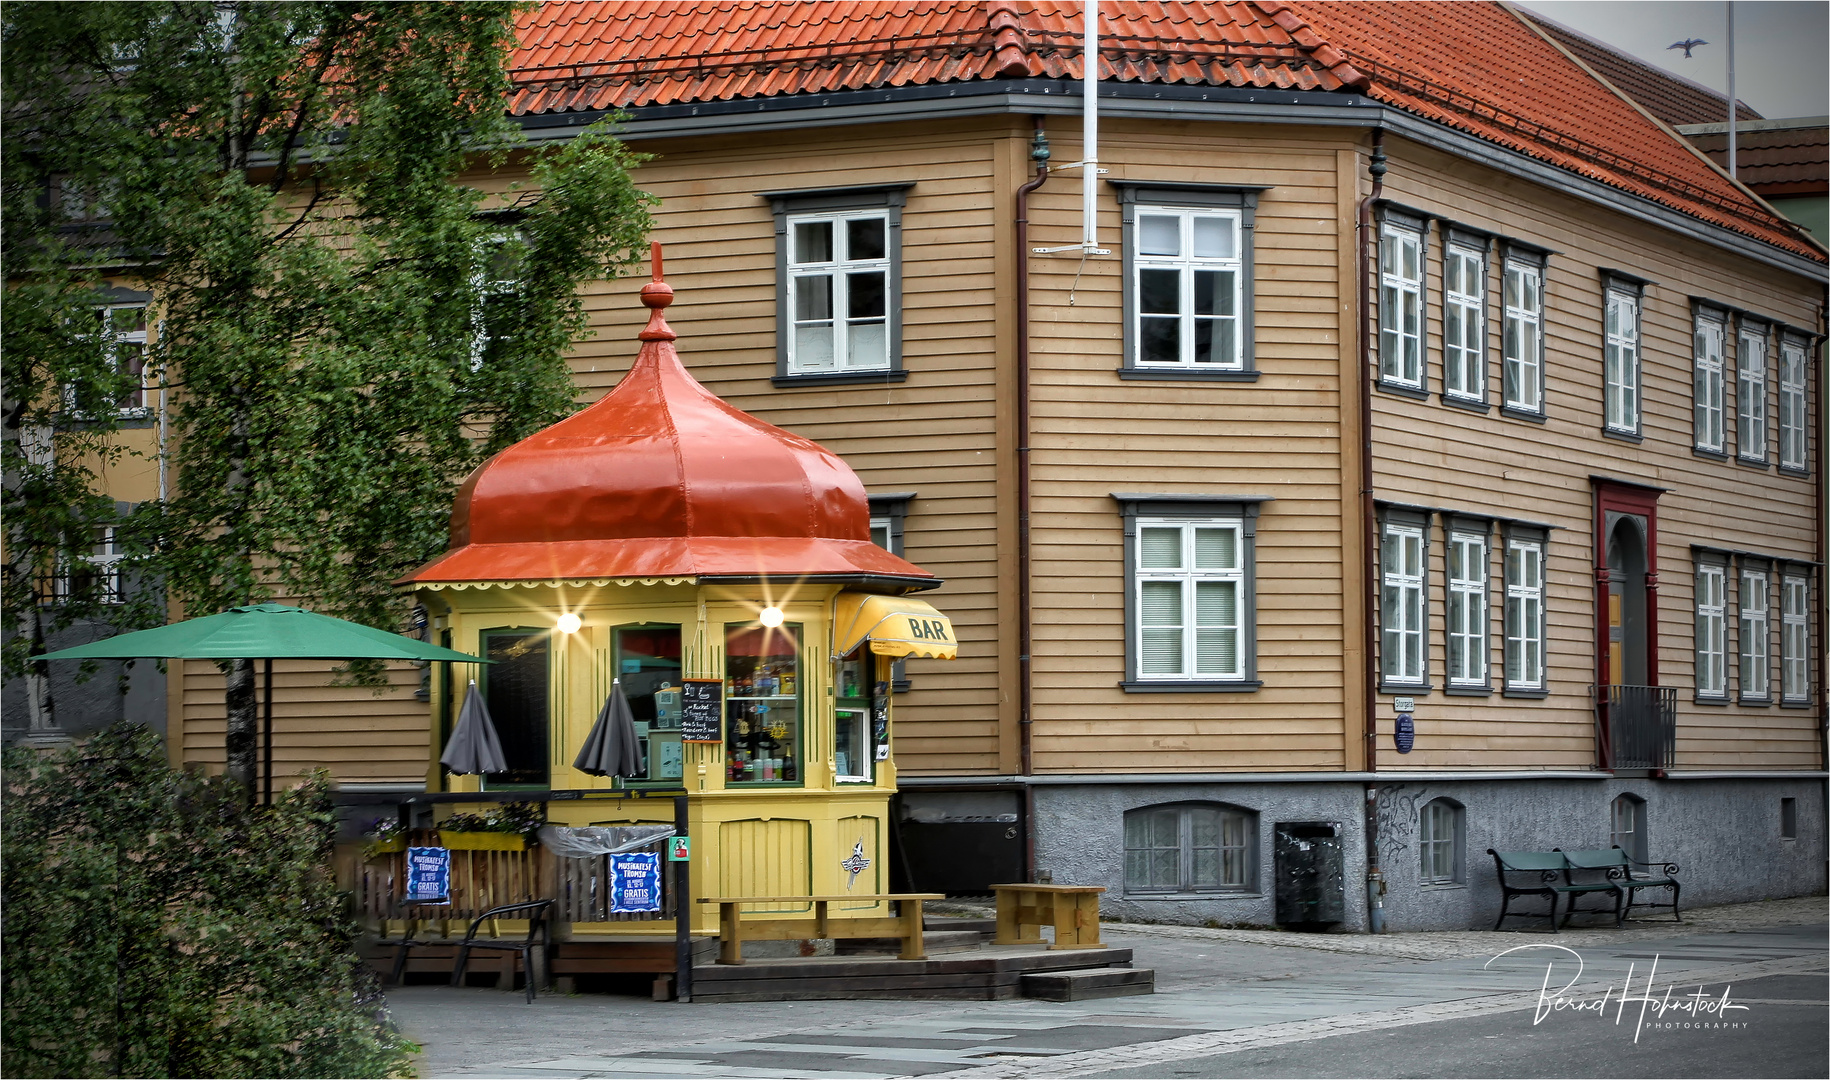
pixel 721 570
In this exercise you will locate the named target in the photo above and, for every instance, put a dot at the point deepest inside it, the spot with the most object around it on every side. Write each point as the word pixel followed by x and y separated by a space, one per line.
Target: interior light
pixel 771 616
pixel 569 623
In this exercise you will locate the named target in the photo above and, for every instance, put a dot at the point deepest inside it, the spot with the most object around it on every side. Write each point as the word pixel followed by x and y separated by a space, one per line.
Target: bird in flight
pixel 1687 44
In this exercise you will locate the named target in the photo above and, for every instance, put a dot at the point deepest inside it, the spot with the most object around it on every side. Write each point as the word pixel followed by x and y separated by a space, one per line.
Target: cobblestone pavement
pixel 1219 992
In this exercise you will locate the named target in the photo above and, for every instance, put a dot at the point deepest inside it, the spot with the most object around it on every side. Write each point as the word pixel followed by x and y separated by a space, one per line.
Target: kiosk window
pixel 853 752
pixel 648 666
pixel 762 730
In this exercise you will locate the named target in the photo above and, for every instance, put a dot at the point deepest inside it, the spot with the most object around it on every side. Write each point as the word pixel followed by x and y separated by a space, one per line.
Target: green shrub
pixel 154 927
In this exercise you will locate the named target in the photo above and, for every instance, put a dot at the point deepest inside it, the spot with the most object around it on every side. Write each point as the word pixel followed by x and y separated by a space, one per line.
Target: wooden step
pixel 1088 983
pixel 933 941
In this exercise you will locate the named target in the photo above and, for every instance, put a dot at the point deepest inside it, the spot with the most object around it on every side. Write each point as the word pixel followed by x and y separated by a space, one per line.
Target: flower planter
pixel 482 841
pixel 385 847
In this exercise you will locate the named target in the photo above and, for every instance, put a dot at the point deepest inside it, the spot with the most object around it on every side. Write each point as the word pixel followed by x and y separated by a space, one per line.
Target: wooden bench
pixel 1073 910
pixel 734 929
pixel 1619 869
pixel 1547 874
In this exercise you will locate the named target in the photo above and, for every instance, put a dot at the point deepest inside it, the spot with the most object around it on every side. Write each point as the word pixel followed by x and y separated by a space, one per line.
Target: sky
pixel 1780 45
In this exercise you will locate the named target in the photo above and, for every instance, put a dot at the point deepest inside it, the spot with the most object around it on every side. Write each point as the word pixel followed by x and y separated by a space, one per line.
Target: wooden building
pixel 1384 361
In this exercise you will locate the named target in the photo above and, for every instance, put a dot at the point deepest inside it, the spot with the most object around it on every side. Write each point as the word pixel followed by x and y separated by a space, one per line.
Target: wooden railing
pixel 481 880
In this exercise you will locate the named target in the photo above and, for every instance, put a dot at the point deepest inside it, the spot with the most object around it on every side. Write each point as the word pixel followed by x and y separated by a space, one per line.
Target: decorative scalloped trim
pixel 573 583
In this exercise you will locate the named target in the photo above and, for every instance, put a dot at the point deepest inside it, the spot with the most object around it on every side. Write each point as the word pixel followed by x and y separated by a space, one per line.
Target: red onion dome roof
pixel 662 478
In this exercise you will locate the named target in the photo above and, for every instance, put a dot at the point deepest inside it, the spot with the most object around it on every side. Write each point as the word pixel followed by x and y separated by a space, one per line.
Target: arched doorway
pixel 1626 611
pixel 1635 718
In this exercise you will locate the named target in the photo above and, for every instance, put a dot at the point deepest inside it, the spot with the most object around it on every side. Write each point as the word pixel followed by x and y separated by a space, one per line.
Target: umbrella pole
pixel 267 734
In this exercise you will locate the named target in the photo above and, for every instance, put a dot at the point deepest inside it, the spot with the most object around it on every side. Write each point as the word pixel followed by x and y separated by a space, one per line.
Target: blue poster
pixel 428 874
pixel 635 881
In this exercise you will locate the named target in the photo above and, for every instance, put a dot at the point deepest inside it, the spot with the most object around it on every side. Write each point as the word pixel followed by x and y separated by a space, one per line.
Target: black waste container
pixel 1311 893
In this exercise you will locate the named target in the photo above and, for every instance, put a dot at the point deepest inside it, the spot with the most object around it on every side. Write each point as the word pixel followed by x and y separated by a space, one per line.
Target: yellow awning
pixel 895 625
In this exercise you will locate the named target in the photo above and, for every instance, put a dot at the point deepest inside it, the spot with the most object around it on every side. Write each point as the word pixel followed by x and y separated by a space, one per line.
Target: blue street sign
pixel 1404 733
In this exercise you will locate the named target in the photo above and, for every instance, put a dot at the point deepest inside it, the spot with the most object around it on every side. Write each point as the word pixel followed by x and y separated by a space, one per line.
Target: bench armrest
pixel 1669 869
pixel 535 914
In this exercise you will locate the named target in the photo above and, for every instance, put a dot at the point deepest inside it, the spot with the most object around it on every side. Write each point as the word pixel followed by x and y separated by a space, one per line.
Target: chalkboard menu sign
pixel 702 710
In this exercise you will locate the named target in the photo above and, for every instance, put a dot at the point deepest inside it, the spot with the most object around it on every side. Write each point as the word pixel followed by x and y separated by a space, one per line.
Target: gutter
pixel 1038 153
pixel 1369 532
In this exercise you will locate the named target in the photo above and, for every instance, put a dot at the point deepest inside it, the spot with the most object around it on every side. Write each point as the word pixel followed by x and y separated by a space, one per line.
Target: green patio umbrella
pixel 263 632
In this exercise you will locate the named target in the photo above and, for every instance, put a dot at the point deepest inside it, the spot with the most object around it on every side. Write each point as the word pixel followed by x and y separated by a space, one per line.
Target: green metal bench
pixel 1547 874
pixel 1629 875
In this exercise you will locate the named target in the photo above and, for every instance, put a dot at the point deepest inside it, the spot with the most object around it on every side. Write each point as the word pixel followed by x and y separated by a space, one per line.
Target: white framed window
pixel 1750 393
pixel 1190 581
pixel 1464 321
pixel 1524 614
pixel 1439 843
pixel 1707 383
pixel 1712 630
pixel 121 329
pixel 1190 848
pixel 99 570
pixel 838 277
pixel 838 292
pixel 1621 365
pixel 1401 305
pixel 1524 336
pixel 889 517
pixel 1188 277
pixel 1793 406
pixel 1189 597
pixel 495 287
pixel 1795 638
pixel 1753 631
pixel 1467 608
pixel 1627 826
pixel 1402 610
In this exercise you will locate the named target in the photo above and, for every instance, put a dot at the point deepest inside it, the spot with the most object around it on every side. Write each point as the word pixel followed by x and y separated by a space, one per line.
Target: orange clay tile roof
pixel 1671 98
pixel 1475 67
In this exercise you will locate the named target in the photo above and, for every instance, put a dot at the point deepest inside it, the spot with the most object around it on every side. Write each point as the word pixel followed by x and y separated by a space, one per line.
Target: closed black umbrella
pixel 611 748
pixel 474 747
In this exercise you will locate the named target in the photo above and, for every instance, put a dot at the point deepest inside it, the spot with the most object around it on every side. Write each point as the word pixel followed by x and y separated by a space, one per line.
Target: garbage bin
pixel 1310 890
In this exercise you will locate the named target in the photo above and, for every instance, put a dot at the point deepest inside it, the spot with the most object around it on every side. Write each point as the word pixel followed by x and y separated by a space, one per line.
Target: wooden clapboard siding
pixel 935 433
pixel 1440 456
pixel 356 734
pixel 1095 434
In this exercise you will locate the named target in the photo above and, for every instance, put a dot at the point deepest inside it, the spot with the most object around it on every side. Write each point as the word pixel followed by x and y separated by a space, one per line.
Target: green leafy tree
pixel 154 927
pixel 347 324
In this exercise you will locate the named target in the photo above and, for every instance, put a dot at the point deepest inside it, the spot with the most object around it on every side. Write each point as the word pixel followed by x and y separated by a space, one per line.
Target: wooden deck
pixel 993 973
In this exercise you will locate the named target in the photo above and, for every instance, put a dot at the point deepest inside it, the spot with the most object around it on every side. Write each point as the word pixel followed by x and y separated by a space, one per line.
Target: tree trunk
pixel 239 741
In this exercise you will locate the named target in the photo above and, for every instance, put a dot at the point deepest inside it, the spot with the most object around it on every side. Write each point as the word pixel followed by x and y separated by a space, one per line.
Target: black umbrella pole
pixel 267 736
pixel 683 909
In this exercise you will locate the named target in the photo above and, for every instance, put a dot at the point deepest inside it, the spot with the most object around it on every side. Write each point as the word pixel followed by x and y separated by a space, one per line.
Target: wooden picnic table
pixel 734 929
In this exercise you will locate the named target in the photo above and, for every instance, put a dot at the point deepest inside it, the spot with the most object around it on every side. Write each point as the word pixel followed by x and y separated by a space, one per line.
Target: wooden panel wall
pixel 1096 434
pixel 1438 455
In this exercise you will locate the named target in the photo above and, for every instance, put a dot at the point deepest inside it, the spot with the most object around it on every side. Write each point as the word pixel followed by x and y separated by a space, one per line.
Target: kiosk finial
pixel 656 295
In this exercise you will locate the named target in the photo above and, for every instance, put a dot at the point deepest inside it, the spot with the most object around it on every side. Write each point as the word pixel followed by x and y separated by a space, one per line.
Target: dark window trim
pixel 1243 198
pixel 1614 281
pixel 1462 236
pixel 1420 519
pixel 1790 568
pixel 1744 322
pixel 889 196
pixel 1526 532
pixel 1417 221
pixel 1517 251
pixel 895 506
pixel 1699 558
pixel 1468 524
pixel 1133 505
pixel 1741 565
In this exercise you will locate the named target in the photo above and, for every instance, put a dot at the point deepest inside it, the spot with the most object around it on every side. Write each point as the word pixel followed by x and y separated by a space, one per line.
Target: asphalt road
pixel 1222 1009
